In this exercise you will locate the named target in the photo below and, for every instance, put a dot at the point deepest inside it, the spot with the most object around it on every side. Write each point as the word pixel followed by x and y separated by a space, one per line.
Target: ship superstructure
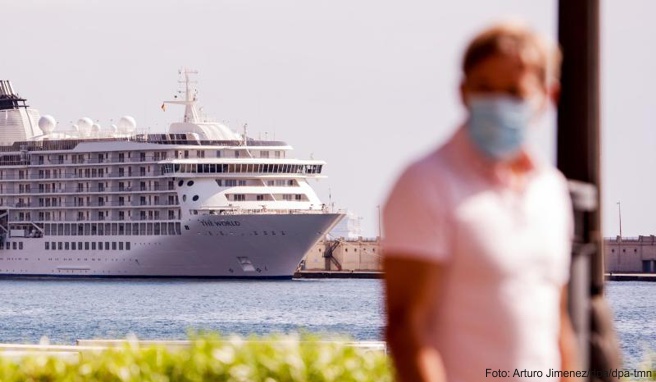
pixel 199 201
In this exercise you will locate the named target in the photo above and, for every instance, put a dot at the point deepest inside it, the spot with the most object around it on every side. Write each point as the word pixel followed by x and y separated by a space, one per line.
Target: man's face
pixel 504 74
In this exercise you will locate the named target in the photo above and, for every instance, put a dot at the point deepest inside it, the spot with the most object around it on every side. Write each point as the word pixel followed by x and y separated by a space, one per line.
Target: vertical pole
pixel 579 152
pixel 380 230
pixel 619 210
pixel 578 111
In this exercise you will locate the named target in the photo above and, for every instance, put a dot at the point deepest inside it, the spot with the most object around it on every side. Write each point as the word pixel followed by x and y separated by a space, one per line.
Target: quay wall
pixel 622 255
pixel 361 254
pixel 630 254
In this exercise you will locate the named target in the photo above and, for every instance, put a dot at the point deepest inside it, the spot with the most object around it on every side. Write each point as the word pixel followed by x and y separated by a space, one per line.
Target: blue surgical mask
pixel 498 124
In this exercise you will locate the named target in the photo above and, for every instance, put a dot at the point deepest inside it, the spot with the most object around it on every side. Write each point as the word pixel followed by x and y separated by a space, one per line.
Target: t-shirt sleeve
pixel 415 217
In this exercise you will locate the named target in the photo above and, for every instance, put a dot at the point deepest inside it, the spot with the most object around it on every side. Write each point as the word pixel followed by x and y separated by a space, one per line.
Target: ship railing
pixel 163 139
pixel 260 211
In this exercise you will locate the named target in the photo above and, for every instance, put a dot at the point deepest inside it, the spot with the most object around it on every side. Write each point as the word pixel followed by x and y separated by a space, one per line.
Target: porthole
pixel 195 198
pixel 180 183
pixel 190 183
pixel 184 198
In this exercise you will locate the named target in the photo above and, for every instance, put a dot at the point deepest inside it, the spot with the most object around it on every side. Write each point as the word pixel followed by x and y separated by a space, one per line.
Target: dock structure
pixel 630 255
pixel 630 277
pixel 626 258
pixel 342 258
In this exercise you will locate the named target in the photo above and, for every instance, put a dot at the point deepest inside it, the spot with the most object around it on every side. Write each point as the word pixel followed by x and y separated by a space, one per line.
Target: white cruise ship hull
pixel 213 246
pixel 198 201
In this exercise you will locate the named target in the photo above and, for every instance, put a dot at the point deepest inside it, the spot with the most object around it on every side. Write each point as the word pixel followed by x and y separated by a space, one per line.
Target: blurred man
pixel 477 233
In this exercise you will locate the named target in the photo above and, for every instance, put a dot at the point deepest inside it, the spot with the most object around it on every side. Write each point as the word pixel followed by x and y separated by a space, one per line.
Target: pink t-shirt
pixel 505 253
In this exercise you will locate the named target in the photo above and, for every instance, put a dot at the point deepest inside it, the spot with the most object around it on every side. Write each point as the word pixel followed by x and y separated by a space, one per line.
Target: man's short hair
pixel 514 38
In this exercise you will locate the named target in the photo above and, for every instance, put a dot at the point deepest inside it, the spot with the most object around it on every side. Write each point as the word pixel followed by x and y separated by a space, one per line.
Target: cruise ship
pixel 199 201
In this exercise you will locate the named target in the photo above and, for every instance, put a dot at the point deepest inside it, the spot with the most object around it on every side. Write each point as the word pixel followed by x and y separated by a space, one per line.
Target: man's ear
pixel 554 93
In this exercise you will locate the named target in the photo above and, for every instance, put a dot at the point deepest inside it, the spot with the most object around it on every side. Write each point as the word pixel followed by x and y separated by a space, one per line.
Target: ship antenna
pixel 191 113
pixel 245 132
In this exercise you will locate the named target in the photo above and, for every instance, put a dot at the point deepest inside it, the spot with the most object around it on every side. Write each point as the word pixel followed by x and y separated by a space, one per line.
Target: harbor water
pixel 67 310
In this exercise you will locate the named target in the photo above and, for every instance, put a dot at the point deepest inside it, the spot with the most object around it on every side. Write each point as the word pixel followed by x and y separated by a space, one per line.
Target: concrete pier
pixel 630 276
pixel 343 257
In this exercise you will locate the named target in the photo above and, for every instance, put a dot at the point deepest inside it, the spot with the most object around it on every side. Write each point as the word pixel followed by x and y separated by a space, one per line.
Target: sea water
pixel 66 310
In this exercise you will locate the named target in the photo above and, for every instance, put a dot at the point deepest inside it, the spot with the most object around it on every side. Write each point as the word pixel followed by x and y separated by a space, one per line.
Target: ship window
pixel 180 183
pixel 107 245
pixel 20 245
pixel 127 245
pixel 73 246
pixel 114 245
pixel 120 245
pixel 47 245
pixel 184 198
pixel 195 198
pixel 100 245
pixel 66 246
pixel 86 245
pixel 93 245
pixel 190 183
pixel 187 227
pixel 59 245
pixel 52 245
pixel 79 245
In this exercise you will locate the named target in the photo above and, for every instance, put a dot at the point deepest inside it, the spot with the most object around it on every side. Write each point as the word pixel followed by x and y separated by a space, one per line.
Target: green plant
pixel 209 358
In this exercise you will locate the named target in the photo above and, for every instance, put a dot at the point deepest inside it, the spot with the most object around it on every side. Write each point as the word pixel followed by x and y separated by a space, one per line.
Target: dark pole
pixel 579 155
pixel 579 159
pixel 578 114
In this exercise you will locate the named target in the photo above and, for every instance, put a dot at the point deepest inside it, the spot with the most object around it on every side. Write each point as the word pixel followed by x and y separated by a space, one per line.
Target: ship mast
pixel 191 113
